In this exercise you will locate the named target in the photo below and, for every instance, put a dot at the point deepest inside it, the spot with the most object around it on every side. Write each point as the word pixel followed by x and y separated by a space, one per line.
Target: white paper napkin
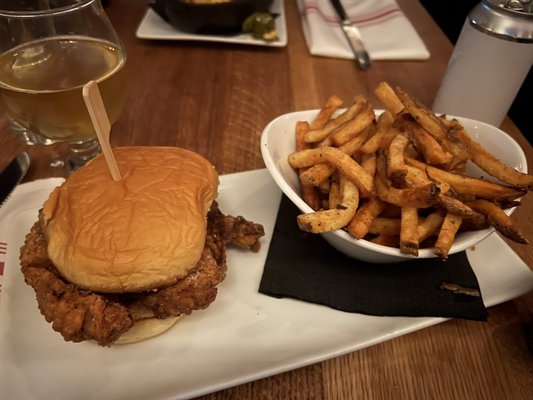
pixel 385 30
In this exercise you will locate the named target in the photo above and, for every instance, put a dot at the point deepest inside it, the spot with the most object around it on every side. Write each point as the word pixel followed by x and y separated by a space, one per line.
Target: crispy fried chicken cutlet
pixel 102 292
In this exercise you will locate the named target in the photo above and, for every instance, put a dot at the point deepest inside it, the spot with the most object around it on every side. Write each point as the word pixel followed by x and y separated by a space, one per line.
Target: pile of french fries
pixel 399 179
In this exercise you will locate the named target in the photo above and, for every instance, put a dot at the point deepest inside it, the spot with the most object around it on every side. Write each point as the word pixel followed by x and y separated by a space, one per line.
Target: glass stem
pixel 82 152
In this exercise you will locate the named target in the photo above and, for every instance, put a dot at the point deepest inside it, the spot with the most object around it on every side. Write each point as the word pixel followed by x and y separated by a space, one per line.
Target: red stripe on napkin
pixel 366 19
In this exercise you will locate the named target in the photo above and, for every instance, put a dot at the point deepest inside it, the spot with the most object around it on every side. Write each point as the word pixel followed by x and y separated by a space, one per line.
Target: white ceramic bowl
pixel 277 142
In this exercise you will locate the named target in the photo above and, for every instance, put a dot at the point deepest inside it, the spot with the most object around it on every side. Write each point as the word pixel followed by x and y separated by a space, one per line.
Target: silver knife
pixel 352 35
pixel 11 176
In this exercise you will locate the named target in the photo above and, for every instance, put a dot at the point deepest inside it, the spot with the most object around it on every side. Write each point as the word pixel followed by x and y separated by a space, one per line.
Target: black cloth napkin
pixel 305 267
pixel 159 8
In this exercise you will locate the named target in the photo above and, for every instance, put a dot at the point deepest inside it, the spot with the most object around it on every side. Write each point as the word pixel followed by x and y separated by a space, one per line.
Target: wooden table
pixel 216 99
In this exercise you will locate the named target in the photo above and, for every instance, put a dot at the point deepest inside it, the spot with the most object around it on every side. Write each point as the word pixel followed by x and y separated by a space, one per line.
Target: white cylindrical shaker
pixel 491 59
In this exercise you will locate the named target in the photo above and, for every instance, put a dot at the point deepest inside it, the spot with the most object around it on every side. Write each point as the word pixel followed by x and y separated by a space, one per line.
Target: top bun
pixel 140 233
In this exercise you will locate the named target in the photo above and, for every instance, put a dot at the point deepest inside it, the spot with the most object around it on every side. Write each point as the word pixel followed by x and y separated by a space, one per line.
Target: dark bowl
pixel 217 18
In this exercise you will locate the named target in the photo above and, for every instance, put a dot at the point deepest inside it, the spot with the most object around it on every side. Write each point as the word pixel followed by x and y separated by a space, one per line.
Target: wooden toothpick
pixel 102 126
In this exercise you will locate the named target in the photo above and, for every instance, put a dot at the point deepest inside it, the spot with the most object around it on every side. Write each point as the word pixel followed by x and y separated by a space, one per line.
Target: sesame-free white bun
pixel 140 233
pixel 146 329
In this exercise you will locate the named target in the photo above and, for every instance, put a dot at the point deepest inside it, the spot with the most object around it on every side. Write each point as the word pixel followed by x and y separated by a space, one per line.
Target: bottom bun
pixel 146 329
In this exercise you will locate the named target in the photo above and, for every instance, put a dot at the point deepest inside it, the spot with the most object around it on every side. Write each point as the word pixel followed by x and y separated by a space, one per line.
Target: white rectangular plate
pixel 154 27
pixel 241 337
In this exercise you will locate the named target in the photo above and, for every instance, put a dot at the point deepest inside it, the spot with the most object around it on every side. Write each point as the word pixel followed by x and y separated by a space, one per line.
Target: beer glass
pixel 49 49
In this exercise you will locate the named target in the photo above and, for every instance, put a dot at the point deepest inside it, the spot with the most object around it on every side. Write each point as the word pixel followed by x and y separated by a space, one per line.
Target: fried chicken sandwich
pixel 121 261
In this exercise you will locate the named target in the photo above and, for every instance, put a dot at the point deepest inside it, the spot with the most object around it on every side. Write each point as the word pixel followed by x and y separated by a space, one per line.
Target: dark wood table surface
pixel 217 98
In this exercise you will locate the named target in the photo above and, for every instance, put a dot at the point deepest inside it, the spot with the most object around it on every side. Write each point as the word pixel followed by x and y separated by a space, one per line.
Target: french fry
pixel 434 126
pixel 373 144
pixel 369 163
pixel 416 177
pixel 324 186
pixel 334 197
pixel 309 193
pixel 430 148
pixel 317 174
pixel 419 197
pixel 396 169
pixel 460 155
pixel 457 207
pixel 359 225
pixel 316 135
pixel 425 117
pixel 408 231
pixel 450 226
pixel 466 185
pixel 385 226
pixel 320 172
pixel 334 218
pixel 354 144
pixel 429 225
pixel 497 218
pixel 490 164
pixel 343 162
pixel 354 127
pixel 391 211
pixel 332 104
pixel 388 97
pixel 388 137
pixel 386 240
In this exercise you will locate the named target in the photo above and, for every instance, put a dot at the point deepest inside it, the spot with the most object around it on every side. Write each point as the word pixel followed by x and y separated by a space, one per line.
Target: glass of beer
pixel 49 49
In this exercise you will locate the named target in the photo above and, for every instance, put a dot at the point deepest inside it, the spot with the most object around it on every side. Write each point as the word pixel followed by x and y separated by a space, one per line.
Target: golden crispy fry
pixel 386 240
pixel 302 127
pixel 360 223
pixel 354 144
pixel 332 104
pixel 465 185
pixel 309 193
pixel 429 147
pixel 324 186
pixel 416 177
pixel 316 135
pixel 317 174
pixel 343 162
pixel 369 162
pixel 490 164
pixel 408 231
pixel 354 127
pixel 434 126
pixel 419 197
pixel 497 218
pixel 410 150
pixel 448 230
pixel 334 197
pixel 388 137
pixel 391 211
pixel 373 144
pixel 390 100
pixel 325 142
pixel 334 218
pixel 425 117
pixel 429 225
pixel 457 207
pixel 320 172
pixel 396 169
pixel 385 226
